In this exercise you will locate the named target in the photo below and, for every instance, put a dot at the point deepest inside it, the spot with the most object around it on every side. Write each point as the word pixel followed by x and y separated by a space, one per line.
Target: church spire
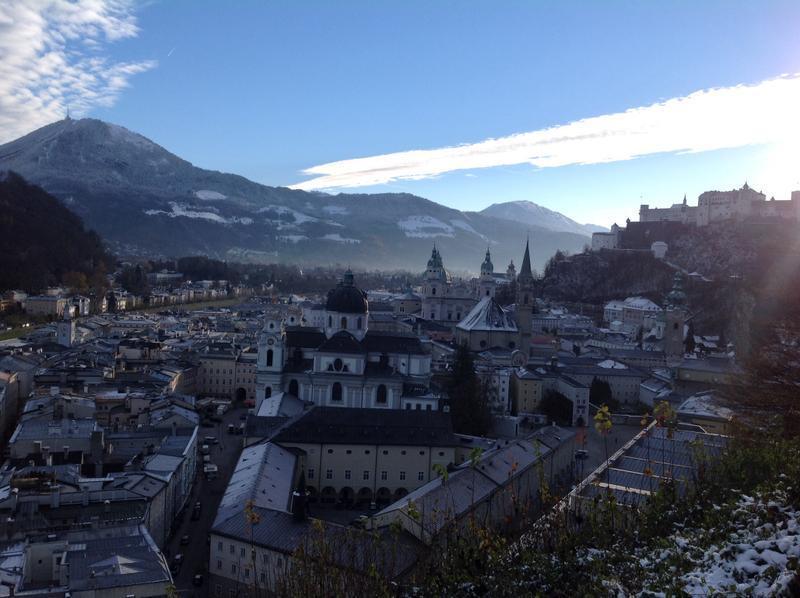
pixel 525 271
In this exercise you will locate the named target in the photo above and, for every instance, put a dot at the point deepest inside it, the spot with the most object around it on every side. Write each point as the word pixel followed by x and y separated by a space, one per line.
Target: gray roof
pixel 488 315
pixel 339 425
pixel 264 475
pixel 639 468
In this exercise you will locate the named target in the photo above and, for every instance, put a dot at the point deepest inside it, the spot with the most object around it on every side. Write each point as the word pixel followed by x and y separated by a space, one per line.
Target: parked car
pixel 197 580
pixel 185 540
pixel 209 440
pixel 582 454
pixel 205 449
pixel 231 429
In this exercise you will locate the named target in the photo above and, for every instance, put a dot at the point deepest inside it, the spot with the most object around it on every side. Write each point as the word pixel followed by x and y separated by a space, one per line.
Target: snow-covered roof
pixel 704 405
pixel 487 315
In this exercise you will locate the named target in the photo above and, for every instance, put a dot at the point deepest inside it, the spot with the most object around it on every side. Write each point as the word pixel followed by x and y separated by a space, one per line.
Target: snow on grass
pixel 179 210
pixel 209 195
pixel 340 239
pixel 425 227
pixel 753 556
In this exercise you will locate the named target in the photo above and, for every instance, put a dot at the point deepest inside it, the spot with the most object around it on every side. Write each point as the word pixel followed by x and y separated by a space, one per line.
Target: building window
pixel 422 453
pixel 381 398
pixel 330 321
pixel 366 474
pixel 263 578
pixel 402 476
pixel 233 549
pixel 330 451
pixel 247 573
pixel 311 474
pixel 328 474
pixel 336 392
pixel 233 568
pixel 344 323
pixel 358 323
pixel 346 474
pixel 269 358
pixel 385 452
pixel 384 476
pixel 294 388
pixel 219 546
pixel 242 552
pixel 441 453
pixel 219 563
pixel 366 452
pixel 421 476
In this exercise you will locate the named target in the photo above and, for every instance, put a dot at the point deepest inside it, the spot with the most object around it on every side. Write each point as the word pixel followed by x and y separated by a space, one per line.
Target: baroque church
pixel 447 301
pixel 343 363
pixel 490 325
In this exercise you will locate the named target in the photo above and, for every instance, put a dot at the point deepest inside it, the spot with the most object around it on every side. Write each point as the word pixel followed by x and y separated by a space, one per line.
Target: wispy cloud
pixel 706 120
pixel 51 58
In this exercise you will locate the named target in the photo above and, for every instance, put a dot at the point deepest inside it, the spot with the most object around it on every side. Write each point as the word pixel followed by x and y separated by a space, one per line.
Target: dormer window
pixel 338 364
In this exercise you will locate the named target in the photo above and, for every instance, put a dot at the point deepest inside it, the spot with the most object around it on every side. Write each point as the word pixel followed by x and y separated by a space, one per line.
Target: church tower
pixel 675 319
pixel 271 359
pixel 524 303
pixel 486 285
pixel 511 272
pixel 435 287
pixel 65 329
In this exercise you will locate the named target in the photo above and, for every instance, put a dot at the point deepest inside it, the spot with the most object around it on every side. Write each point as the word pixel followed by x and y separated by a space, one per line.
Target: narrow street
pixel 208 493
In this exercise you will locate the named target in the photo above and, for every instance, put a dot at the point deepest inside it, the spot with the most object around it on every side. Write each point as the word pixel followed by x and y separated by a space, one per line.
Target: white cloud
pixel 51 58
pixel 706 120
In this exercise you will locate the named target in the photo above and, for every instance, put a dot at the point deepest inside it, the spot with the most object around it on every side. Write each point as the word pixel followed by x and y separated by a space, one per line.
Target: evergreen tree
pixel 469 407
pixel 600 394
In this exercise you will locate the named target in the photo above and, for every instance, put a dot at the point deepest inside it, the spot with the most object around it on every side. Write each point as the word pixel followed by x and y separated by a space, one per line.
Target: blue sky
pixel 270 89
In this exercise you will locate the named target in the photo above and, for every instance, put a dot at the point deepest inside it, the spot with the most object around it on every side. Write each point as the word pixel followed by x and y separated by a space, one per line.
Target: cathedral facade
pixel 343 363
pixel 448 301
pixel 489 324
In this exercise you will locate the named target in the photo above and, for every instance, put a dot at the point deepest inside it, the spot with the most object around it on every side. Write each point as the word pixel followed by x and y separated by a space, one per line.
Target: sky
pixel 589 108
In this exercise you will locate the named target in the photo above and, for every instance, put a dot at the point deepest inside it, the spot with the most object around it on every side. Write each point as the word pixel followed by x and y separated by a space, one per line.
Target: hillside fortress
pixel 716 206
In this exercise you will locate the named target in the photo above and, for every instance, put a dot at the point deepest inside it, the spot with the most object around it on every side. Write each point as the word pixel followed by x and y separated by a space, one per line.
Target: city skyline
pixel 613 106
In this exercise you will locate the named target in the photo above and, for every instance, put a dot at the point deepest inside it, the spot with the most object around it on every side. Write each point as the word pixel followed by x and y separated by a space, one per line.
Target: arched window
pixel 294 388
pixel 433 291
pixel 338 364
pixel 487 292
pixel 336 392
pixel 344 323
pixel 268 392
pixel 381 398
pixel 330 321
pixel 269 358
pixel 358 323
pixel 525 300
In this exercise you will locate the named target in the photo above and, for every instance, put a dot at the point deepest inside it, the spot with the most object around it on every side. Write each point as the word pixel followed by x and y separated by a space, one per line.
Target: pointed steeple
pixel 525 271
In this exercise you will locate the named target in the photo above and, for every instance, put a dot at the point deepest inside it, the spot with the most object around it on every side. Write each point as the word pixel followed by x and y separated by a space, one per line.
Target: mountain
pixel 41 242
pixel 535 215
pixel 145 201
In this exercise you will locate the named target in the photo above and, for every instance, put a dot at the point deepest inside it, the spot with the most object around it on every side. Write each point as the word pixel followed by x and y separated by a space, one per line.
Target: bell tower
pixel 65 329
pixel 271 360
pixel 486 286
pixel 675 320
pixel 524 303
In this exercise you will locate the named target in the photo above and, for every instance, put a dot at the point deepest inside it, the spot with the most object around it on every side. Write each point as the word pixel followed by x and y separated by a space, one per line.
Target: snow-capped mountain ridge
pixel 144 200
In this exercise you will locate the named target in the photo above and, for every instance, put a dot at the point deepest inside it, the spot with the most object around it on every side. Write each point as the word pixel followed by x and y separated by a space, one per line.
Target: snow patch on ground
pixel 209 195
pixel 299 217
pixel 338 210
pixel 425 227
pixel 292 238
pixel 184 211
pixel 340 239
pixel 466 226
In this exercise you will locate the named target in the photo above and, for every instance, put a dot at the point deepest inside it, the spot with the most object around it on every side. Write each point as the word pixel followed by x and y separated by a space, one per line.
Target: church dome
pixel 346 297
